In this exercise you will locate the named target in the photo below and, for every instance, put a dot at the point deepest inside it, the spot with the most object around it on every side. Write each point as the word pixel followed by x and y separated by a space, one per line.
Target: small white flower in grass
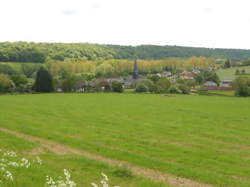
pixel 14 164
pixel 2 165
pixel 10 154
pixel 105 176
pixel 94 184
pixel 104 183
pixel 38 160
pixel 25 163
pixel 8 175
pixel 2 168
pixel 50 182
pixel 3 160
pixel 60 182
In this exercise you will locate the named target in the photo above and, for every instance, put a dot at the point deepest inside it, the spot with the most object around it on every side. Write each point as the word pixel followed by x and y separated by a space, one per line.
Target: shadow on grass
pixel 216 93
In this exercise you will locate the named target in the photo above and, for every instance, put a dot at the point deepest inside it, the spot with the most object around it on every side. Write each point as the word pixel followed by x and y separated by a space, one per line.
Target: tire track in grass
pixel 61 149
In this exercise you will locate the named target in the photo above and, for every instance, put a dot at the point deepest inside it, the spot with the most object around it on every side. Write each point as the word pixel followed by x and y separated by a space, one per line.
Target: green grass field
pixel 230 73
pixel 202 138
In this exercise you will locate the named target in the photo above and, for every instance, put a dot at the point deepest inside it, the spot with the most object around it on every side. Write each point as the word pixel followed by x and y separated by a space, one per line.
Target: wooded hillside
pixel 42 52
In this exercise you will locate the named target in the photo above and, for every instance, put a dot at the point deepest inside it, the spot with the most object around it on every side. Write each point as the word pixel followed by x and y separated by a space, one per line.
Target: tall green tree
pixel 242 86
pixel 44 81
pixel 227 64
pixel 69 83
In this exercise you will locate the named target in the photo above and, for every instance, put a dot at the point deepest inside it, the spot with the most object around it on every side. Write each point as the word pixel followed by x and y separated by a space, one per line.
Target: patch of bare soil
pixel 37 151
pixel 61 149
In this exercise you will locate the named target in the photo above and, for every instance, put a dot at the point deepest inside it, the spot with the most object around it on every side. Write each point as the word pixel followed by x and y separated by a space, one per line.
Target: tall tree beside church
pixel 44 81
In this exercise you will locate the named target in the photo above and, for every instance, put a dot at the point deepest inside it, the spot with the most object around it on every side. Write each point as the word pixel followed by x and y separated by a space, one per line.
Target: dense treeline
pixel 161 52
pixel 124 68
pixel 110 68
pixel 45 52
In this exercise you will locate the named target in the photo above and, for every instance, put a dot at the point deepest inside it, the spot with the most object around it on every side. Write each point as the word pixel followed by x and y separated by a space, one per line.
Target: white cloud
pixel 209 23
pixel 70 12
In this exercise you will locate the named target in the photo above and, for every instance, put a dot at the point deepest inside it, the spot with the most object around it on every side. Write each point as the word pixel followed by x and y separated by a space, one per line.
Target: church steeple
pixel 136 71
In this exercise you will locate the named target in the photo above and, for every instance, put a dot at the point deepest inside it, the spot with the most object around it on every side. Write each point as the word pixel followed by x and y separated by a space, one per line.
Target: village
pixel 130 82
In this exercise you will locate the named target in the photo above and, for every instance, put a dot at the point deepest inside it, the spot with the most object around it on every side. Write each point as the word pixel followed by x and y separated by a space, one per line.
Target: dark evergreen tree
pixel 227 64
pixel 44 81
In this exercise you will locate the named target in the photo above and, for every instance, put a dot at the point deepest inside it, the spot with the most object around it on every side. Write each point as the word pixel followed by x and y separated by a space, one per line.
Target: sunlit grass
pixel 83 171
pixel 204 138
pixel 229 73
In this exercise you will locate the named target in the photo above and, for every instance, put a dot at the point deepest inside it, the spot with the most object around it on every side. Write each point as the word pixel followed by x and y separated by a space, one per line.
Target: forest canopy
pixel 45 52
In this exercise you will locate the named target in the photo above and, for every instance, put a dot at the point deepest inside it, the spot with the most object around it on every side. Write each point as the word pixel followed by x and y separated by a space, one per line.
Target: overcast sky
pixel 201 23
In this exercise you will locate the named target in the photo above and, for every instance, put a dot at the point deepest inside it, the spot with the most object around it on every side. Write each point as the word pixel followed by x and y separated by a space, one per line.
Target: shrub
pixel 227 64
pixel 180 81
pixel 117 87
pixel 174 90
pixel 19 80
pixel 157 89
pixel 149 84
pixel 103 84
pixel 140 88
pixel 44 81
pixel 207 76
pixel 184 88
pixel 237 72
pixel 5 84
pixel 242 86
pixel 154 78
pixel 200 79
pixel 163 85
pixel 24 88
pixel 190 83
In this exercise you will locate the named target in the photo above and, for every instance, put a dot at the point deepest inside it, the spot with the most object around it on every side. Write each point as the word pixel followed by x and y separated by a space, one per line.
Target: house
pixel 228 81
pixel 173 78
pixel 187 75
pixel 210 68
pixel 129 82
pixel 110 80
pixel 196 71
pixel 210 85
pixel 165 74
pixel 227 84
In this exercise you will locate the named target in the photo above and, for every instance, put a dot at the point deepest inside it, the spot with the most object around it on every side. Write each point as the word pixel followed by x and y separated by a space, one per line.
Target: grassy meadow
pixel 230 72
pixel 203 138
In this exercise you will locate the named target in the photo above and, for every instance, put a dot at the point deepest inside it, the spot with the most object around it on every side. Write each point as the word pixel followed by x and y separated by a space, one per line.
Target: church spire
pixel 136 71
